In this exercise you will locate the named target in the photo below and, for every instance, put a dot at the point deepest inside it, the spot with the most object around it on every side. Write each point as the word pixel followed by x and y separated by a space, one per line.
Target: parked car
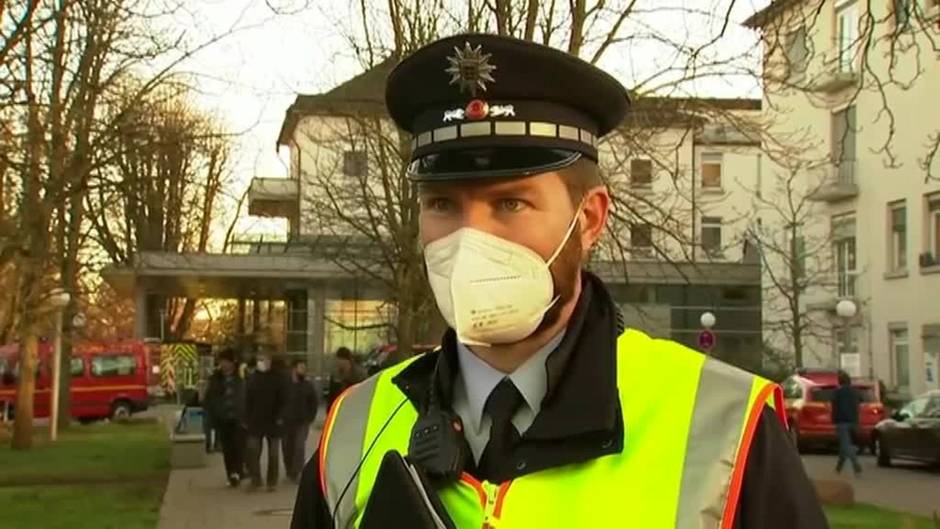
pixel 109 379
pixel 378 358
pixel 912 432
pixel 808 394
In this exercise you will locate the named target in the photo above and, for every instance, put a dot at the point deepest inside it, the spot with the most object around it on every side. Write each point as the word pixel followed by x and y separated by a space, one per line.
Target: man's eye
pixel 511 205
pixel 439 204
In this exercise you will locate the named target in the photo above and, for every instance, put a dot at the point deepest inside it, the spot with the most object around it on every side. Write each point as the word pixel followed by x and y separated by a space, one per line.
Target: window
pixel 897 237
pixel 641 172
pixel 847 32
pixel 77 367
pixel 843 143
pixel 797 54
pixel 711 235
pixel 900 348
pixel 112 366
pixel 711 170
pixel 798 250
pixel 355 163
pixel 641 238
pixel 843 237
pixel 825 393
pixel 932 229
pixel 846 341
pixel 902 14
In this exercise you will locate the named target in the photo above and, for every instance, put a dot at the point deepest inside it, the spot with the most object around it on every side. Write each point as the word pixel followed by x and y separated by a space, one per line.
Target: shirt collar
pixel 479 378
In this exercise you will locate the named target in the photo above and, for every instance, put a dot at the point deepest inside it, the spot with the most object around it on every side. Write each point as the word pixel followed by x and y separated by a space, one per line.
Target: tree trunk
pixel 25 391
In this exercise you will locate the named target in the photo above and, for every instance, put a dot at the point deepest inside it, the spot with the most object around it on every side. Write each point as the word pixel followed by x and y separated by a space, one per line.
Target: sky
pixel 252 75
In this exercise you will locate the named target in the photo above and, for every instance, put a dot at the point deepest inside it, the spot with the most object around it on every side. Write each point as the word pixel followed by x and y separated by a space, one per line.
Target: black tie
pixel 501 405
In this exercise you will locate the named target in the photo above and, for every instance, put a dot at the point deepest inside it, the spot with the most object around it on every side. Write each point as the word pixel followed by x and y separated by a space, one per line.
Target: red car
pixel 808 394
pixel 109 379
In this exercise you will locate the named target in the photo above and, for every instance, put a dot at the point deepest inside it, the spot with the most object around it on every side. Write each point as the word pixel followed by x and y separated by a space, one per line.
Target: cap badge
pixel 470 69
pixel 478 109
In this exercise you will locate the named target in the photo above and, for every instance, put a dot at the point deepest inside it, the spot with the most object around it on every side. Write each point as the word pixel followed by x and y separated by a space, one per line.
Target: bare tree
pixel 160 190
pixel 61 64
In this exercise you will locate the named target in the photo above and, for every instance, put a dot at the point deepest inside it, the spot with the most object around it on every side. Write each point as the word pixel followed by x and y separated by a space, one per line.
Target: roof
pixel 364 95
pixel 655 112
pixel 762 17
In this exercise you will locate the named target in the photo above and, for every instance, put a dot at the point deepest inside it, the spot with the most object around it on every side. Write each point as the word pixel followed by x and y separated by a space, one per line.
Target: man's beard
pixel 565 275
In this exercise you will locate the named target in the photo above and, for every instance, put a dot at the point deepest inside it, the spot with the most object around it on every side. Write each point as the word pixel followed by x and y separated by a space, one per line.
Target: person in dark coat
pixel 225 405
pixel 845 404
pixel 348 372
pixel 265 404
pixel 302 404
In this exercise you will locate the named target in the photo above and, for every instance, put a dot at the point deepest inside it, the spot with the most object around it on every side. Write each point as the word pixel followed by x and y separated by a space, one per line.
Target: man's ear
pixel 595 207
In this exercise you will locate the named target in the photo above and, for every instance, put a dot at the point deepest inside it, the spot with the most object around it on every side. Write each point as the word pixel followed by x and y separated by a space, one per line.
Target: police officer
pixel 566 418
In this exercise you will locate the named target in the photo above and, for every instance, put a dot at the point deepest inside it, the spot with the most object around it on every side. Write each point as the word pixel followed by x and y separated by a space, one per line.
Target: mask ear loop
pixel 564 241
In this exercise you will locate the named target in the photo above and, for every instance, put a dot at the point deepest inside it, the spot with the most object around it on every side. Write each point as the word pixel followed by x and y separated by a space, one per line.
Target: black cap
pixel 489 106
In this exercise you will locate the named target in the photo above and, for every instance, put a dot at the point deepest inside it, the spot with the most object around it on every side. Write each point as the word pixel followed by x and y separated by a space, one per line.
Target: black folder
pixel 403 498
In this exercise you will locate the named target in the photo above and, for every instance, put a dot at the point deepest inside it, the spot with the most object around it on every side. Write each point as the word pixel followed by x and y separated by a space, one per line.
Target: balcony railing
pixel 838 71
pixel 839 183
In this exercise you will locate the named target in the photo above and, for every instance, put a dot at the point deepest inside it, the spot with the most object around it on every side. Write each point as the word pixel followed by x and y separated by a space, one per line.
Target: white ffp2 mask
pixel 490 290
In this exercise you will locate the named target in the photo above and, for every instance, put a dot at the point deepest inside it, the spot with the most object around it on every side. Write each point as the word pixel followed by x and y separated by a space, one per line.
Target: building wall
pixel 887 299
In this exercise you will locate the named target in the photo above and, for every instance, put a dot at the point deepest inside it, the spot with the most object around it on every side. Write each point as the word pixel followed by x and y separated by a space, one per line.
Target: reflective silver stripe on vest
pixel 344 451
pixel 720 405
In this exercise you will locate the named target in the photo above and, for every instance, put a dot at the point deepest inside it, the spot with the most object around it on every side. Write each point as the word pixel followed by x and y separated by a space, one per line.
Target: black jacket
pixel 225 398
pixel 302 402
pixel 845 401
pixel 776 494
pixel 266 403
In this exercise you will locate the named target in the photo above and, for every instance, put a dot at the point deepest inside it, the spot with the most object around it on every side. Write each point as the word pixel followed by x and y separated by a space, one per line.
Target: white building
pixel 851 87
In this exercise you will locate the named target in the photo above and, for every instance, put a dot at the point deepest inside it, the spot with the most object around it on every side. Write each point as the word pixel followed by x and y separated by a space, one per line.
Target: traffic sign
pixel 706 340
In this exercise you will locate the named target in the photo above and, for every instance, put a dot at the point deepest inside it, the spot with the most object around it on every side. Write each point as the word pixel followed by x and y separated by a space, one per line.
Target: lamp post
pixel 58 299
pixel 846 309
pixel 706 338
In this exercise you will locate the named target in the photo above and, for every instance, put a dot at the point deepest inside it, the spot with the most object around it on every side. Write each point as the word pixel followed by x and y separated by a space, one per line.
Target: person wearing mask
pixel 302 404
pixel 265 406
pixel 348 372
pixel 225 403
pixel 540 409
pixel 845 405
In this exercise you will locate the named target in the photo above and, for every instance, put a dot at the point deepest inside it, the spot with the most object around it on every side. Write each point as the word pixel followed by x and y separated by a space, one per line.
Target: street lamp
pixel 58 298
pixel 707 320
pixel 846 309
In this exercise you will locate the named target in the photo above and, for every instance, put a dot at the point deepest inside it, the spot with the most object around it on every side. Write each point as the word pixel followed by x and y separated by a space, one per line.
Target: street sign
pixel 706 340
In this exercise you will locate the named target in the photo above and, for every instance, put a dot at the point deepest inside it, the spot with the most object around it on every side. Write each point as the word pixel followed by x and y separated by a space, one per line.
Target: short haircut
pixel 228 353
pixel 344 353
pixel 581 177
pixel 297 361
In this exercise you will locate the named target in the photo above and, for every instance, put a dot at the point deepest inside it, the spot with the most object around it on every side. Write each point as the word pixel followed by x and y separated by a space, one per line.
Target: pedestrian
pixel 845 405
pixel 265 404
pixel 225 404
pixel 348 373
pixel 302 405
pixel 540 409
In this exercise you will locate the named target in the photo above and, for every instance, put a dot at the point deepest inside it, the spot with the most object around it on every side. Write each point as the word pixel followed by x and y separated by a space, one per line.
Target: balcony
pixel 273 197
pixel 838 72
pixel 839 183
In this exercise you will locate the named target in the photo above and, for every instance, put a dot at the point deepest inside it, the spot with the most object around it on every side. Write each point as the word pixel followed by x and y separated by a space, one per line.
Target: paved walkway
pixel 906 487
pixel 200 498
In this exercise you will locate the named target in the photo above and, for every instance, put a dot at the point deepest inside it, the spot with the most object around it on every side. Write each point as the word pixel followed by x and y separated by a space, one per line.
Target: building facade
pixel 849 92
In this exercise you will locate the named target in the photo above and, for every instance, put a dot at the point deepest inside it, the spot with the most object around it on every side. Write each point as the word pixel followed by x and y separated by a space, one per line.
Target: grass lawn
pixel 131 506
pixel 106 451
pixel 44 487
pixel 870 517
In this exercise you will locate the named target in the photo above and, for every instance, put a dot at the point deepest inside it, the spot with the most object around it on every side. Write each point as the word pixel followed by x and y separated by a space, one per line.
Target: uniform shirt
pixel 476 380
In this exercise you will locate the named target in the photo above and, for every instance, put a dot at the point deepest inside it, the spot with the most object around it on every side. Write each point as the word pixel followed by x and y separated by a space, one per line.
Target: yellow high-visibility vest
pixel 689 422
